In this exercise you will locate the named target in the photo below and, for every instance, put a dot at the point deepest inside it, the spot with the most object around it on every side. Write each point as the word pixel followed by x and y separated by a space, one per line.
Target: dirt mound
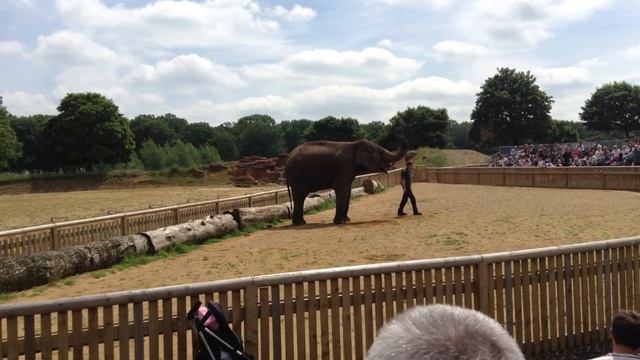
pixel 251 170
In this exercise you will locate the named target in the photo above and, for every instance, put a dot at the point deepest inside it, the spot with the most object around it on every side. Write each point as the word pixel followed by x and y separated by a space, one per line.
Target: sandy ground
pixel 457 220
pixel 35 209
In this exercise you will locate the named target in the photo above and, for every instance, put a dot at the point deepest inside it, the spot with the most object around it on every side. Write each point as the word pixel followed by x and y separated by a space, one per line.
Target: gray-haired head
pixel 439 332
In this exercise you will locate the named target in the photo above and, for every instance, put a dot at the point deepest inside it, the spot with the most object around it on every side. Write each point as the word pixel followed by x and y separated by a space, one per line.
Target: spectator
pixel 583 154
pixel 439 332
pixel 625 335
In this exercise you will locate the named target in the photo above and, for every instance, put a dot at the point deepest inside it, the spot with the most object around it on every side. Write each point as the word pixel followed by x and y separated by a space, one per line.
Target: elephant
pixel 321 165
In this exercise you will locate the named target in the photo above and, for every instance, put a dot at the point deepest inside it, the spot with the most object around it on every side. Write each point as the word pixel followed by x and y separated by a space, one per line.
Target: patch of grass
pixel 431 158
pixel 99 274
pixel 6 296
pixel 68 282
pixel 327 205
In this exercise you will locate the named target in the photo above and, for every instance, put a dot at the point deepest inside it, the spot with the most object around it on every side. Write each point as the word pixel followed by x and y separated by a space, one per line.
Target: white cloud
pixel 11 47
pixel 522 22
pixel 297 13
pixel 634 51
pixel 68 47
pixel 24 103
pixel 326 66
pixel 459 49
pixel 385 43
pixel 183 24
pixel 365 103
pixel 438 4
pixel 572 75
pixel 185 70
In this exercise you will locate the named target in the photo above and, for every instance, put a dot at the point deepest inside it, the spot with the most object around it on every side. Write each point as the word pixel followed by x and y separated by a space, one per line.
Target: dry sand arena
pixel 457 220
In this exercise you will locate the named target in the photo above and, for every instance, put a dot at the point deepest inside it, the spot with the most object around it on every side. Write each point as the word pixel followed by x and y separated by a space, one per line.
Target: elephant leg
pixel 298 207
pixel 343 196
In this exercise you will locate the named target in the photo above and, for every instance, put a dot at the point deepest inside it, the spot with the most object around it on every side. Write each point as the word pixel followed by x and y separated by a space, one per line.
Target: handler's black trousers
pixel 408 195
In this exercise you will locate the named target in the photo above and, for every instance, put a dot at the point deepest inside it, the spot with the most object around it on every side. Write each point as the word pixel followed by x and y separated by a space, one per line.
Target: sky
pixel 216 61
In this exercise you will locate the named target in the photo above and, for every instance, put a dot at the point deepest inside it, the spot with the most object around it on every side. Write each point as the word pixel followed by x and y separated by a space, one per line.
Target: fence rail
pixel 602 178
pixel 550 300
pixel 31 240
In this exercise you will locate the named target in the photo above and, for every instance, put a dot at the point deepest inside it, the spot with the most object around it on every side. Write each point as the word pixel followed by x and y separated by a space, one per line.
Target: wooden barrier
pixel 550 300
pixel 600 178
pixel 55 236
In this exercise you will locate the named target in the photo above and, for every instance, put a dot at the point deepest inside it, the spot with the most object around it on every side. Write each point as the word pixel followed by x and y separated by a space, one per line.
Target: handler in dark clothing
pixel 406 191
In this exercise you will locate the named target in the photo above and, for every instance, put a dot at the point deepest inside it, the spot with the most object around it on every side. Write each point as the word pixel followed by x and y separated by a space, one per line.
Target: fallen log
pixel 372 186
pixel 24 272
pixel 249 216
pixel 358 192
pixel 191 232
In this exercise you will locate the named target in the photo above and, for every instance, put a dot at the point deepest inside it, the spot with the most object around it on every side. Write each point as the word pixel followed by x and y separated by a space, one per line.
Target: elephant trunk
pixel 392 157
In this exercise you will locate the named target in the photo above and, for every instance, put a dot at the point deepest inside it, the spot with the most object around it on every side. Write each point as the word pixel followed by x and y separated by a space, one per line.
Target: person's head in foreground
pixel 625 334
pixel 439 332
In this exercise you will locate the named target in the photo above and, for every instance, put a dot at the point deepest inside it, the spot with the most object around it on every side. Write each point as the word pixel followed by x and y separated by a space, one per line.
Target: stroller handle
pixel 194 309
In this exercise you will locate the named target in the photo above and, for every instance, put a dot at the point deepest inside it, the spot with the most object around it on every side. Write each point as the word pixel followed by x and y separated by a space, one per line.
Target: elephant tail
pixel 290 199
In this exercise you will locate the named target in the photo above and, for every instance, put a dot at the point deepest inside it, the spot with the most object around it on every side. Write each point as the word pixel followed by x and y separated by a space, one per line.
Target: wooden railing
pixel 54 236
pixel 550 300
pixel 598 177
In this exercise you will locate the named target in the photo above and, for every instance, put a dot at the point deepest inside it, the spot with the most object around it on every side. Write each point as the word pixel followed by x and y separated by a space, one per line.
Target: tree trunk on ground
pixel 372 186
pixel 249 216
pixel 24 272
pixel 190 233
pixel 357 192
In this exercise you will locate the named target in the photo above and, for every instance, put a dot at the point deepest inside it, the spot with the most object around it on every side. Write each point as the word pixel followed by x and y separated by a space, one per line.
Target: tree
pixel 562 132
pixel 152 156
pixel 421 126
pixel 88 131
pixel 459 135
pixel 375 130
pixel 177 124
pixel 293 132
pixel 208 154
pixel 332 128
pixel 199 134
pixel 258 135
pixel 225 142
pixel 614 106
pixel 30 133
pixel 510 108
pixel 9 145
pixel 150 127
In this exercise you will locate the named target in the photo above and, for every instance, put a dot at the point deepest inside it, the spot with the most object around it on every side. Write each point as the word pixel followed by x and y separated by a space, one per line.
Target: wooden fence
pixel 599 177
pixel 54 236
pixel 550 300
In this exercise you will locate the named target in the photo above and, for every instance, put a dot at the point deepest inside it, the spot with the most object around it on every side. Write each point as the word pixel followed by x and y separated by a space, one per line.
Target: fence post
pixel 250 201
pixel 277 198
pixel 123 225
pixel 176 218
pixel 217 208
pixel 54 237
pixel 483 286
pixel 251 319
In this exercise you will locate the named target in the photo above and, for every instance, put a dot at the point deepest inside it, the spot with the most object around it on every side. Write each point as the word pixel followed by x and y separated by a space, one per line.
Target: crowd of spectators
pixel 594 153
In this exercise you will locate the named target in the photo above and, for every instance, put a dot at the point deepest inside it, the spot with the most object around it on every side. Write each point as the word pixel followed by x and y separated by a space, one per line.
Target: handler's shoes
pixel 417 213
pixel 402 214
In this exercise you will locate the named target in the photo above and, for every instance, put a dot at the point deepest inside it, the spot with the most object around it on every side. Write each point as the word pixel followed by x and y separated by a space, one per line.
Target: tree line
pixel 89 133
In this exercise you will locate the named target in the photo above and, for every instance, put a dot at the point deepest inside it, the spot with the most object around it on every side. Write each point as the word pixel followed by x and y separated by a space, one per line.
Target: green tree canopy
pixel 421 126
pixel 9 145
pixel 256 134
pixel 509 109
pixel 293 132
pixel 614 106
pixel 459 135
pixel 563 132
pixel 88 131
pixel 152 156
pixel 199 134
pixel 151 127
pixel 30 133
pixel 375 130
pixel 335 129
pixel 225 142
